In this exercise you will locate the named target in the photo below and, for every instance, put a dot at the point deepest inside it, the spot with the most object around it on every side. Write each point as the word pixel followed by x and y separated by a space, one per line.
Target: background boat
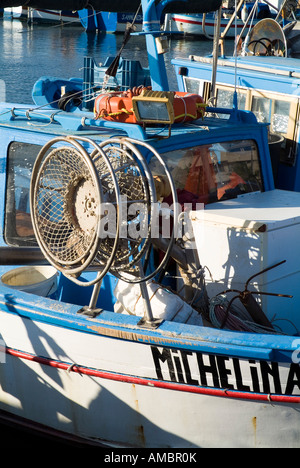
pixel 42 15
pixel 91 20
pixel 117 22
pixel 53 16
pixel 203 24
pixel 200 25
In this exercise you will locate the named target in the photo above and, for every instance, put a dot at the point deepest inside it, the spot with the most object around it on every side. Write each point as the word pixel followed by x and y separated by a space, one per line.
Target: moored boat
pixel 267 86
pixel 202 25
pixel 116 22
pixel 234 20
pixel 125 323
pixel 91 20
pixel 245 14
pixel 37 15
pixel 41 15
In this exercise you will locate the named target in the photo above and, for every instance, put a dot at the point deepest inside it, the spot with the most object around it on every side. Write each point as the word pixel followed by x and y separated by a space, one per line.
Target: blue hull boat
pixel 149 272
pixel 91 20
pixel 266 85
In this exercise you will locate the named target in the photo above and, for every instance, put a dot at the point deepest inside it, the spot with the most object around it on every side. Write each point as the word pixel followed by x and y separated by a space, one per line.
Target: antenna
pixel 215 56
pixel 235 97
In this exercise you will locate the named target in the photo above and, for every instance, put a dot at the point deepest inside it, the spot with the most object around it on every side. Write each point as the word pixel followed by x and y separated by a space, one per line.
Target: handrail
pixel 70 121
pixel 247 66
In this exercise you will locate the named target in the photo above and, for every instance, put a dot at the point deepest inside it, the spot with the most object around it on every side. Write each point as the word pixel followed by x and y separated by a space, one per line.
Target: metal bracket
pixel 149 324
pixel 92 313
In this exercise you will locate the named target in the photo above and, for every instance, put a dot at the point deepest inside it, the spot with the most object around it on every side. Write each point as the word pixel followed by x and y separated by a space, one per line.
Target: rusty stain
pixel 141 435
pixel 140 428
pixel 254 423
pixel 136 401
pixel 129 335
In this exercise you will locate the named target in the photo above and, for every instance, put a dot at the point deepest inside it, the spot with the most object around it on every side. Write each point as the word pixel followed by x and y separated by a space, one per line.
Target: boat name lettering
pixel 223 372
pixel 124 17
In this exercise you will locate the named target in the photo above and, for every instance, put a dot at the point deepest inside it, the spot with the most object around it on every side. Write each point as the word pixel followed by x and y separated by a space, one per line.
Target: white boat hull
pixel 121 398
pixel 39 15
pixel 53 16
pixel 15 12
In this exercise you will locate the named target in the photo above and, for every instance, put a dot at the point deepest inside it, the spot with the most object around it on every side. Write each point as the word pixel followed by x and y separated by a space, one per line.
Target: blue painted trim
pixel 88 19
pixel 169 334
pixel 74 121
pixel 285 81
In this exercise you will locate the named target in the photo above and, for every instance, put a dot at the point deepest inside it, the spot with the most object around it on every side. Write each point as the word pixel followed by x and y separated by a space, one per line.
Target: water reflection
pixel 31 52
pixel 12 42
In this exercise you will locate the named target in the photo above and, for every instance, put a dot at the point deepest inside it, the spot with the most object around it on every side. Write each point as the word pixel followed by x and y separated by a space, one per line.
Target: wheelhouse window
pixel 225 99
pixel 270 108
pixel 18 230
pixel 194 85
pixel 275 111
pixel 214 172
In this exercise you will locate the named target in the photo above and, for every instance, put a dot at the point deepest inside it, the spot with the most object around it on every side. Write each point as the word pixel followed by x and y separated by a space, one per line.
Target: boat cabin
pixel 211 160
pixel 60 168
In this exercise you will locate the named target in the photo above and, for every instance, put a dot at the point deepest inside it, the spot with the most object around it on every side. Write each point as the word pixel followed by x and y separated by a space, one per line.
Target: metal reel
pixel 137 194
pixel 71 191
pixel 95 210
pixel 134 266
pixel 65 195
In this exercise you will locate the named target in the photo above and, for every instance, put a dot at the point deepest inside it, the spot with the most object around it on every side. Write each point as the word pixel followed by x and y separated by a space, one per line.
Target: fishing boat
pixel 91 20
pixel 149 271
pixel 233 20
pixel 115 22
pixel 41 15
pixel 109 21
pixel 198 24
pixel 267 86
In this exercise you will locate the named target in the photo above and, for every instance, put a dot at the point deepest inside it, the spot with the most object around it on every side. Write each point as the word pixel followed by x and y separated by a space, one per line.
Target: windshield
pixel 214 172
pixel 202 174
pixel 18 227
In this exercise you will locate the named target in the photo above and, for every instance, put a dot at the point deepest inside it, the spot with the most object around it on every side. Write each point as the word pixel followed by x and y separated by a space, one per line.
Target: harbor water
pixel 29 52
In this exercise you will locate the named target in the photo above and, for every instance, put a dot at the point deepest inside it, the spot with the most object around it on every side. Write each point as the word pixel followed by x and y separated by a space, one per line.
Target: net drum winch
pixel 72 192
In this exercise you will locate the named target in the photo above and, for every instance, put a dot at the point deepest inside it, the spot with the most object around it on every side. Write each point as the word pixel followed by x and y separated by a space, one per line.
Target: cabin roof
pixel 51 122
